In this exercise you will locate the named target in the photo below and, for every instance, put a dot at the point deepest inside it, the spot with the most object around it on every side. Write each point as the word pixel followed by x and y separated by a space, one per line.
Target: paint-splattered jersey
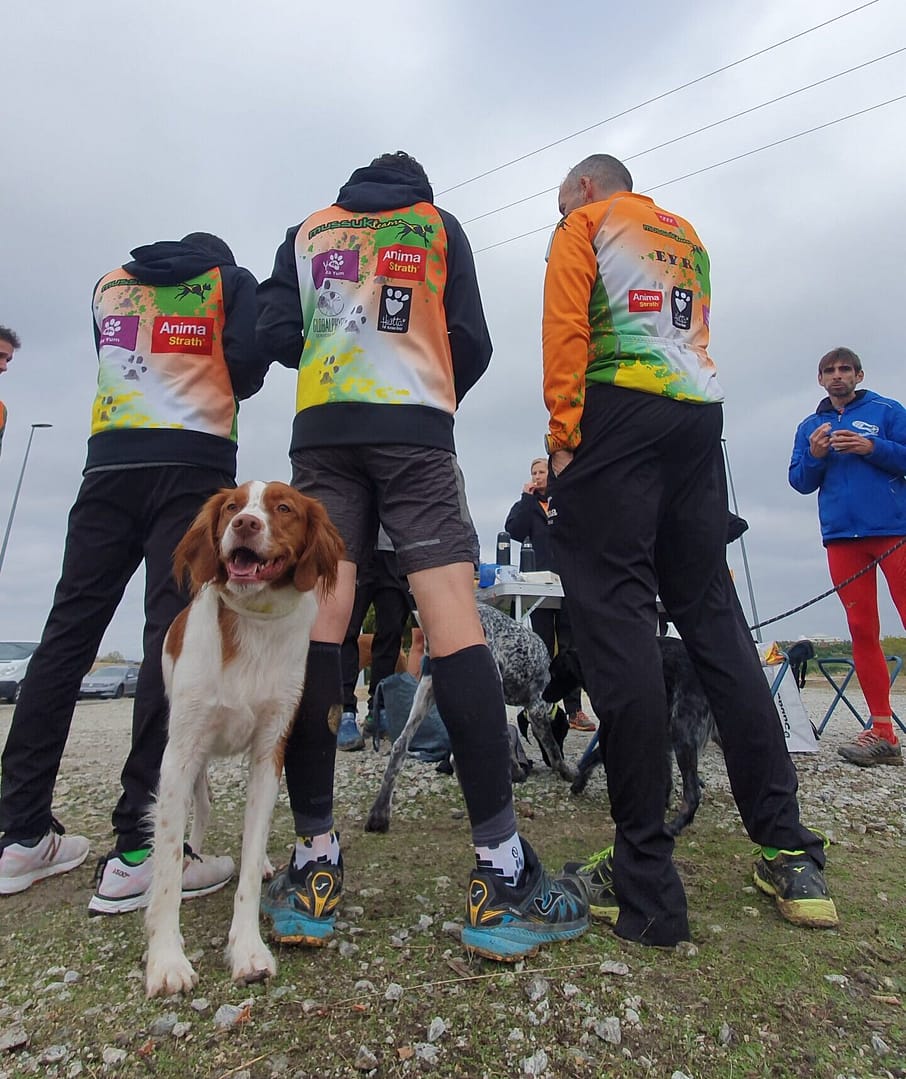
pixel 374 301
pixel 372 287
pixel 627 300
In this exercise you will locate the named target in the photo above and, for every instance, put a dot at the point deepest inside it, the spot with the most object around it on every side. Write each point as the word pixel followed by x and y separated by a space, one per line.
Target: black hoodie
pixel 172 263
pixel 280 324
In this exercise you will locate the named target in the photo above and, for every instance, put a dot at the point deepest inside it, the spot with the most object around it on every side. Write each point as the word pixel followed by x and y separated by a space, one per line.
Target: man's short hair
pixel 10 336
pixel 606 171
pixel 211 245
pixel 836 355
pixel 404 163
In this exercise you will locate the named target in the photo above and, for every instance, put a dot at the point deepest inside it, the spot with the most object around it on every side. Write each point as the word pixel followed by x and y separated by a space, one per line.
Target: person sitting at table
pixel 528 520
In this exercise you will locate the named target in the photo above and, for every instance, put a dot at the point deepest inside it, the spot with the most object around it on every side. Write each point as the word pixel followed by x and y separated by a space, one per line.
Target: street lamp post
pixel 12 512
pixel 742 544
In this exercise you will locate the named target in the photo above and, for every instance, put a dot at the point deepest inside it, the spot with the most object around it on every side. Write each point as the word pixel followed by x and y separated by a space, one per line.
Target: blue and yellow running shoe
pixel 507 923
pixel 301 904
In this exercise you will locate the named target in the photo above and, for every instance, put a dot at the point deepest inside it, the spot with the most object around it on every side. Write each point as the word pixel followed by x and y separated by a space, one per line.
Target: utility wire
pixel 699 130
pixel 658 97
pixel 717 164
pixel 837 588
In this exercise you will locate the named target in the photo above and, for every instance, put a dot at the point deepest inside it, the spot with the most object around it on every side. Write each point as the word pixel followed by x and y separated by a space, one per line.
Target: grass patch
pixel 753 998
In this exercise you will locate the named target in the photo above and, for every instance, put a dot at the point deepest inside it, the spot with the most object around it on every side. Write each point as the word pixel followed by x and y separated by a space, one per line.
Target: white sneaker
pixel 122 887
pixel 21 866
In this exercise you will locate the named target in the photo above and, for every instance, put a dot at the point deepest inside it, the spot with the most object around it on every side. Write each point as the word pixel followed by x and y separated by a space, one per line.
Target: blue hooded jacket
pixel 857 496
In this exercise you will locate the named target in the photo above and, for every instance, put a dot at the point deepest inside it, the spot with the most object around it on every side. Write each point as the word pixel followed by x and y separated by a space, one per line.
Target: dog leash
pixel 849 580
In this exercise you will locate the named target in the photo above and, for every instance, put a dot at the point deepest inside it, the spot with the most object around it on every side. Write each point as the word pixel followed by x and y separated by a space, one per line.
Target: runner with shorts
pixel 382 285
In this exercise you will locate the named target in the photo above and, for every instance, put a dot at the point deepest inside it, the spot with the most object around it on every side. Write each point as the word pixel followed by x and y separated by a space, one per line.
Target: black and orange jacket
pixel 175 336
pixel 627 300
pixel 374 301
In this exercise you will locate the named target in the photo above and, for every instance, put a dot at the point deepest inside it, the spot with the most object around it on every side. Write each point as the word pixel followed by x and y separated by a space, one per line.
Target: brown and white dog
pixel 234 666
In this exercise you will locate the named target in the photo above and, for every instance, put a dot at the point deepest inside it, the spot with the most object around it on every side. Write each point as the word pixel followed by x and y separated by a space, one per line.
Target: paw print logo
pixel 330 303
pixel 356 318
pixel 134 368
pixel 682 299
pixel 335 262
pixel 112 327
pixel 395 299
pixel 331 368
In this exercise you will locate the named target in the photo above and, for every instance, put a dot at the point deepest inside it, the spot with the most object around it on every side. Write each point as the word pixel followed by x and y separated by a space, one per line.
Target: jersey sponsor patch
pixel 120 330
pixel 681 308
pixel 666 219
pixel 402 261
pixel 335 265
pixel 193 336
pixel 645 300
pixel 395 309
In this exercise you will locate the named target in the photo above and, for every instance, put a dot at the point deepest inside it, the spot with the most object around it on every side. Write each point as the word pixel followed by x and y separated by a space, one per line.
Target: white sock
pixel 506 859
pixel 317 848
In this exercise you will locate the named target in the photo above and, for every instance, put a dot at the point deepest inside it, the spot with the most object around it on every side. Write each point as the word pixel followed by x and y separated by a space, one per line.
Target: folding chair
pixel 840 687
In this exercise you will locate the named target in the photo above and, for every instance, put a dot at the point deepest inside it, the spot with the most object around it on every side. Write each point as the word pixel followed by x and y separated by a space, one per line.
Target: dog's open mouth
pixel 246 565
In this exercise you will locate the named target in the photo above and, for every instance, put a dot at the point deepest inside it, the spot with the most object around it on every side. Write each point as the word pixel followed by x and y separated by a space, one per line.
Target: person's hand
pixel 529 488
pixel 819 441
pixel 847 441
pixel 560 461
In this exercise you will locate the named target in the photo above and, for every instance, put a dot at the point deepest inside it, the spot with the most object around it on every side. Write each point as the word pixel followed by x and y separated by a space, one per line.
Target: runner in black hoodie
pixel 375 300
pixel 174 330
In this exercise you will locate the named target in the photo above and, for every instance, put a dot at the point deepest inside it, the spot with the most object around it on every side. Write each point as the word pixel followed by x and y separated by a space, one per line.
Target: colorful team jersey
pixel 627 300
pixel 160 356
pixel 372 288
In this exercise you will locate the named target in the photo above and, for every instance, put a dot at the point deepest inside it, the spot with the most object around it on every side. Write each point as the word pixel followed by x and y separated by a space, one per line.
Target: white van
pixel 14 657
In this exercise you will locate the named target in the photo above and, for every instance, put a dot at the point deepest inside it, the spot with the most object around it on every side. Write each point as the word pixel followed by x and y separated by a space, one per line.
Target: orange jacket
pixel 627 300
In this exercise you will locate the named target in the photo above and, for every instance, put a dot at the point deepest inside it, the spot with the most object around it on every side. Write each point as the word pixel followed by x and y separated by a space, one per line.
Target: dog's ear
pixel 196 554
pixel 322 548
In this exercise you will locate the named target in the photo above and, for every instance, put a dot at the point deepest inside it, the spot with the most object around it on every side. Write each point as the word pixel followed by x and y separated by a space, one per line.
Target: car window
pixel 13 650
pixel 110 672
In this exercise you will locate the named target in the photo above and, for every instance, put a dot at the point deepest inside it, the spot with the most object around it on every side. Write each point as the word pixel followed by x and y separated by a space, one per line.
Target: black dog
pixel 690 721
pixel 559 729
pixel 799 654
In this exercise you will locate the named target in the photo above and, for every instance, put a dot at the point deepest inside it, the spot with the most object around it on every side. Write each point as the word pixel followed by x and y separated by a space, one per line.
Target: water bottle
pixel 527 557
pixel 504 554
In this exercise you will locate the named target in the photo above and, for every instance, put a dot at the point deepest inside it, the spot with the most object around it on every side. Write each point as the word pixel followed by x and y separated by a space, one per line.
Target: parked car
pixel 14 657
pixel 113 681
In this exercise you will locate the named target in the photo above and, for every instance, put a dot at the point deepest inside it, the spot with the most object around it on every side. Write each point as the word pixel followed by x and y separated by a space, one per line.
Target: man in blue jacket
pixel 852 451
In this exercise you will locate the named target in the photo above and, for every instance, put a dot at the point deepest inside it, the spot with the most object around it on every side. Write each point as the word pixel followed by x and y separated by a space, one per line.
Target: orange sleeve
pixel 572 269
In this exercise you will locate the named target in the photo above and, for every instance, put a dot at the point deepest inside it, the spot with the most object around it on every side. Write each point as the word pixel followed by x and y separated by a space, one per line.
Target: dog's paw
pixel 377 822
pixel 169 974
pixel 267 870
pixel 253 964
pixel 566 771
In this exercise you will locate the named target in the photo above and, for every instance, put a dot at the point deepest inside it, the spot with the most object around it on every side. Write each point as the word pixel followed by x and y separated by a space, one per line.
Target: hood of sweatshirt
pixel 377 187
pixel 170 262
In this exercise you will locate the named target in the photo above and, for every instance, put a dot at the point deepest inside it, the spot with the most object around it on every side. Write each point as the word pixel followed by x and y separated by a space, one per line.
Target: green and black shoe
pixel 597 876
pixel 798 886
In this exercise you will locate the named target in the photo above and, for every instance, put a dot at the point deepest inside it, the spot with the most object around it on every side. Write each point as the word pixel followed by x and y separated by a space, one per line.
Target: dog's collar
pixel 271 603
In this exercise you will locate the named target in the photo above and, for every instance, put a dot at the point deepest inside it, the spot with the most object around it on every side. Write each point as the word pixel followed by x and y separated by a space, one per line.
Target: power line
pixel 699 130
pixel 718 164
pixel 658 97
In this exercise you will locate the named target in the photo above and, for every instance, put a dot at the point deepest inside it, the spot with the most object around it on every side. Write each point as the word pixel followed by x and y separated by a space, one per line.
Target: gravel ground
pixel 867 798
pixel 844 801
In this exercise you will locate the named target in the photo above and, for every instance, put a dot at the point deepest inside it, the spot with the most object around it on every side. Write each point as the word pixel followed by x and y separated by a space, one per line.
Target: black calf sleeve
pixel 470 700
pixel 311 749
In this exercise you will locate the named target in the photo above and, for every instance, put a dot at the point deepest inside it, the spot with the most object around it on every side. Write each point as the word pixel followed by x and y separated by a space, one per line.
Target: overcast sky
pixel 125 124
